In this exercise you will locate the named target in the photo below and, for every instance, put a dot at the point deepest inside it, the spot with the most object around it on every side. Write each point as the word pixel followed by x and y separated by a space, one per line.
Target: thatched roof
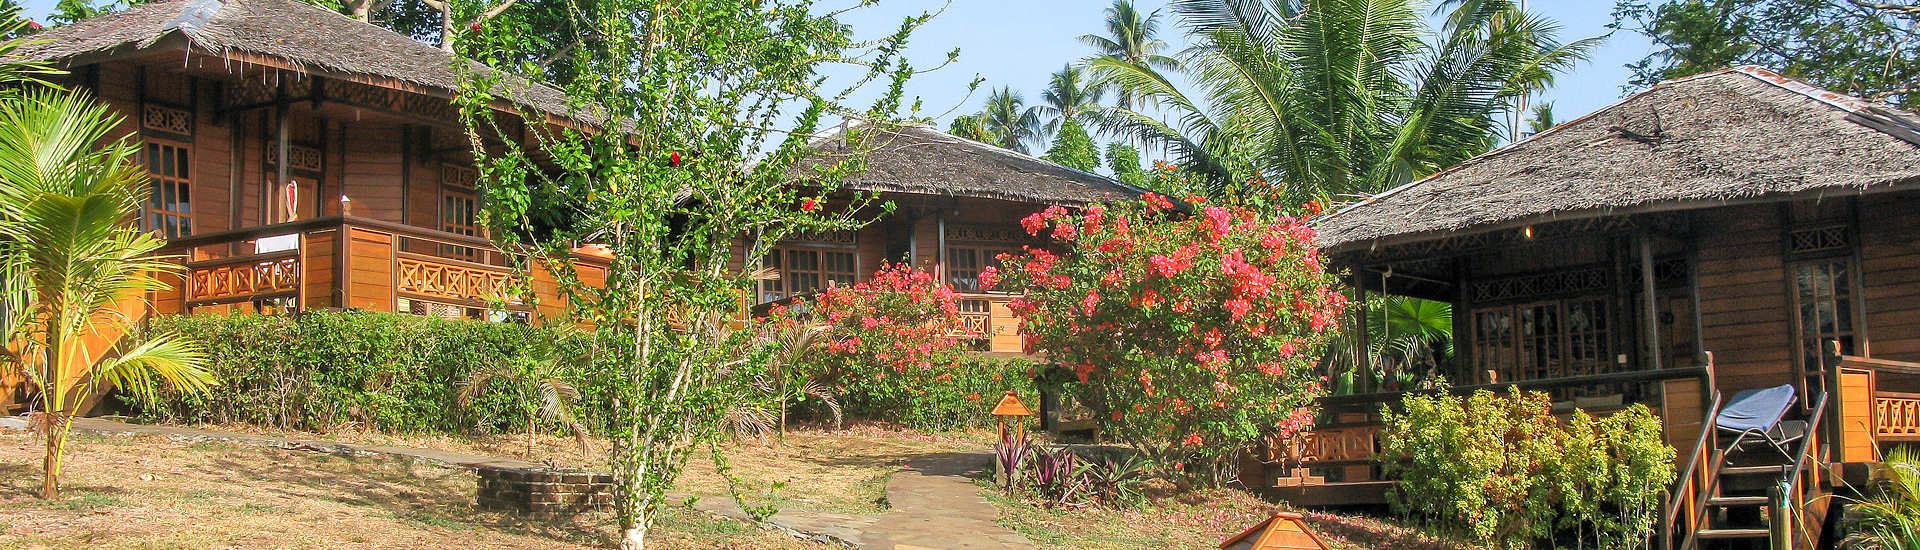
pixel 1735 134
pixel 922 160
pixel 309 38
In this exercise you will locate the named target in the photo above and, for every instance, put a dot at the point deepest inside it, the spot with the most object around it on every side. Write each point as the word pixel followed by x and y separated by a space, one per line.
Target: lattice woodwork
pixel 1343 444
pixel 1896 417
pixel 388 99
pixel 438 280
pixel 454 175
pixel 299 157
pixel 1460 244
pixel 828 237
pixel 166 119
pixel 1818 239
pixel 989 233
pixel 243 279
pixel 1552 283
pixel 973 325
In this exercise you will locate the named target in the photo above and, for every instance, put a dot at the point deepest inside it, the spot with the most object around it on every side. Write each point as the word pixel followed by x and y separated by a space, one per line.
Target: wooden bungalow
pixel 957 204
pixel 1729 231
pixel 301 159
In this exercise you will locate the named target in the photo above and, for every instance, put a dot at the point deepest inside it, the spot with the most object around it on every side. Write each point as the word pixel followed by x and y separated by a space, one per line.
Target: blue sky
pixel 1019 43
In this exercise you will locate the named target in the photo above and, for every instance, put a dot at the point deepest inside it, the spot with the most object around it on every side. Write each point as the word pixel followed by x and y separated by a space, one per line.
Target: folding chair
pixel 1756 416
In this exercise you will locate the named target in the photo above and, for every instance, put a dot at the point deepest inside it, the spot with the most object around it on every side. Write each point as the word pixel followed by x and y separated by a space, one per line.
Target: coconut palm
pixel 76 267
pixel 537 385
pixel 1408 340
pixel 1542 118
pixel 1069 96
pixel 1338 97
pixel 1132 37
pixel 1008 118
pixel 971 127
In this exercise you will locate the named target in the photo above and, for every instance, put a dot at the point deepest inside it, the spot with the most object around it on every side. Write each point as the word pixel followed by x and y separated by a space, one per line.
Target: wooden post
pixel 1651 332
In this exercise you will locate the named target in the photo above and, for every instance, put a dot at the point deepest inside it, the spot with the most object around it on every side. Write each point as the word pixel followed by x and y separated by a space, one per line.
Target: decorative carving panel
pixel 243 279
pixel 1896 417
pixel 1340 444
pixel 299 157
pixel 166 119
pixel 973 325
pixel 1571 281
pixel 990 233
pixel 1819 239
pixel 446 281
pixel 454 175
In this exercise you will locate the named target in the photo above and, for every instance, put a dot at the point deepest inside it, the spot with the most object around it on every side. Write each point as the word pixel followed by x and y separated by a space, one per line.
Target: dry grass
pixel 844 471
pixel 148 492
pixel 1195 520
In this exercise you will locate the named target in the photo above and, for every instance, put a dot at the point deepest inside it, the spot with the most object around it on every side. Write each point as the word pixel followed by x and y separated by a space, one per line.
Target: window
pixel 169 201
pixel 1539 340
pixel 964 264
pixel 1823 308
pixel 805 271
pixel 458 209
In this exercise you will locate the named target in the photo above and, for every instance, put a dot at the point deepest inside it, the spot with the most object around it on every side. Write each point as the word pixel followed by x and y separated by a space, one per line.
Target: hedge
pixel 325 370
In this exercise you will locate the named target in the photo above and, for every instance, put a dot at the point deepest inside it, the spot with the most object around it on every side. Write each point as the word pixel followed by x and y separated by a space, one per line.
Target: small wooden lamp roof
pixel 1010 405
pixel 1283 531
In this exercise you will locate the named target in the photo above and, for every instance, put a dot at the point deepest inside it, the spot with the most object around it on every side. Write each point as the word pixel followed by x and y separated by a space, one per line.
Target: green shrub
pixel 1502 469
pixel 320 371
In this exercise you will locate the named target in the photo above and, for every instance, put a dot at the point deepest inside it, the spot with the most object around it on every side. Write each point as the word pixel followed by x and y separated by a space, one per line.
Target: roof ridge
pixel 1016 154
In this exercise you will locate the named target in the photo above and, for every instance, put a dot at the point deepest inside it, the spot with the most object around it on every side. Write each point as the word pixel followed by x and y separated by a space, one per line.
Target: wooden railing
pixel 353 262
pixel 1696 483
pixel 1875 401
pixel 1348 442
pixel 1794 495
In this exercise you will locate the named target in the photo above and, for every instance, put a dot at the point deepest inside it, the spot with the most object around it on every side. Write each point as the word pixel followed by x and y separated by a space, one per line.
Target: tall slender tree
pixel 1132 37
pixel 1070 95
pixel 1337 98
pixel 1009 119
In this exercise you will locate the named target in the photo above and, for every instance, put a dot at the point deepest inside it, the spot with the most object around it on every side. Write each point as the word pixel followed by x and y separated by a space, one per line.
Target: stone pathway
pixel 935 504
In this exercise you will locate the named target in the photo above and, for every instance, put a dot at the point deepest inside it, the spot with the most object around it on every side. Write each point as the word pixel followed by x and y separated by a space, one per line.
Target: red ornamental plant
pixel 1189 336
pixel 896 324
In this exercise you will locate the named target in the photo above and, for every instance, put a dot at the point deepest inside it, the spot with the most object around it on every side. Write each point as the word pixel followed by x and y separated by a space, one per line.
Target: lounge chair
pixel 1756 416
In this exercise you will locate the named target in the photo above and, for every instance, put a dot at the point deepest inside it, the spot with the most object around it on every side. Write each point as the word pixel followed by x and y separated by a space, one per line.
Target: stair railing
pixel 1792 489
pixel 1688 494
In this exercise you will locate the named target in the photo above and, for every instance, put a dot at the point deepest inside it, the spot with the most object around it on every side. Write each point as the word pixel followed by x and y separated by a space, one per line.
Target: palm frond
pixel 164 358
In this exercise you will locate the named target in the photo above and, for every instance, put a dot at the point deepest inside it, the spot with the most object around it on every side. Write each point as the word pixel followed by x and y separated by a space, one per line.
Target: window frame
pixel 152 211
pixel 785 286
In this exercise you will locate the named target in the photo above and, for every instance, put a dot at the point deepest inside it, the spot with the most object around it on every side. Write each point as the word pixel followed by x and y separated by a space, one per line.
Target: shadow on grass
pixel 397 490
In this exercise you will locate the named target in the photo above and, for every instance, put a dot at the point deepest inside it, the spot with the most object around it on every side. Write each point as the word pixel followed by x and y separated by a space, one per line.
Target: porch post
pixel 280 154
pixel 1362 358
pixel 1651 306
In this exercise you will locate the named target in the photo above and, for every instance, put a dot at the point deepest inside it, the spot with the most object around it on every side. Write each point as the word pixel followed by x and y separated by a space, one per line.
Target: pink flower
pixel 1065 232
pixel 989 277
pixel 1033 223
pixel 1093 298
pixel 1193 439
pixel 809 204
pixel 1238 308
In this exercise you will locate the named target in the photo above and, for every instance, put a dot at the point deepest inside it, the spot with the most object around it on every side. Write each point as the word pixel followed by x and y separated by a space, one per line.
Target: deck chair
pixel 1759 416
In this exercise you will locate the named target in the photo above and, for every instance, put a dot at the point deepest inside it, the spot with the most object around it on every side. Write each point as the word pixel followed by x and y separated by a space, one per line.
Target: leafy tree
pixel 668 161
pixel 1124 161
pixel 971 127
pixel 1074 149
pixel 66 12
pixel 1338 98
pixel 1188 337
pixel 1859 47
pixel 73 267
pixel 1069 96
pixel 1008 118
pixel 1132 38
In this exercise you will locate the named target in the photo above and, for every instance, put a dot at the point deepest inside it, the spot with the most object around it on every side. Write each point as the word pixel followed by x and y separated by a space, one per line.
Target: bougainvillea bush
pixel 893 351
pixel 1190 335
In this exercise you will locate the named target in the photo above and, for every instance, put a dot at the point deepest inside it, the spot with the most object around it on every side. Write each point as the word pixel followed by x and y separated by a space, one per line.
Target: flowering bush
pixel 892 352
pixel 1189 337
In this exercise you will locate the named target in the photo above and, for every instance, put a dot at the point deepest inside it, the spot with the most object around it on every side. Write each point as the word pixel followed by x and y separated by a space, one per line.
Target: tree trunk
pixel 56 444
pixel 634 538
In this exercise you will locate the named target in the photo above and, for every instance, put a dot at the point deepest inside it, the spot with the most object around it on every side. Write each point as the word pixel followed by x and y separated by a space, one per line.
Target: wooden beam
pixel 1643 240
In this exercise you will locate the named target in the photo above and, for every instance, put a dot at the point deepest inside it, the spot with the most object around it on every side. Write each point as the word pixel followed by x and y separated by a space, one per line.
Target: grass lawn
pixel 124 492
pixel 843 471
pixel 1195 520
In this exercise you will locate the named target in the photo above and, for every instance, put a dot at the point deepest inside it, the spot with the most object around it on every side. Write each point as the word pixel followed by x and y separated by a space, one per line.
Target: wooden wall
pixel 1890 275
pixel 1743 296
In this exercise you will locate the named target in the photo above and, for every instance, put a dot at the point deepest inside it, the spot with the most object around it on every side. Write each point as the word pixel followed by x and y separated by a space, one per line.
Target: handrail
pixel 1792 476
pixel 243 259
pixel 1686 474
pixel 1651 375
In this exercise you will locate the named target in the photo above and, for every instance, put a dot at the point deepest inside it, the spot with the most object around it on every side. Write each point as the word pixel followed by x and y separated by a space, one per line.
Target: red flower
pixel 807 204
pixel 1033 223
pixel 1192 439
pixel 989 277
pixel 673 159
pixel 475 26
pixel 973 396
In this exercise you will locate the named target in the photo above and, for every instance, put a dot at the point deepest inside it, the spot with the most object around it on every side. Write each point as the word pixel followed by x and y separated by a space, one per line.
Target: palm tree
pixel 1069 96
pixel 1542 119
pixel 1008 118
pixel 1131 38
pixel 971 127
pixel 537 386
pixel 1408 340
pixel 76 268
pixel 1340 97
